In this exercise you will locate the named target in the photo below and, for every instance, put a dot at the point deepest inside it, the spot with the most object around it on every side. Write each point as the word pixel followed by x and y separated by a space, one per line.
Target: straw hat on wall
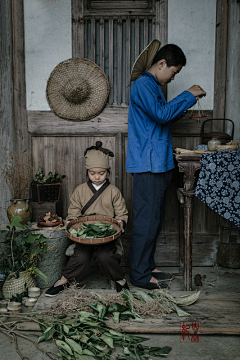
pixel 145 59
pixel 77 89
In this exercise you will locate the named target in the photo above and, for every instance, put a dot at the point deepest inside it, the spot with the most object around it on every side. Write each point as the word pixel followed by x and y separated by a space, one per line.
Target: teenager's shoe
pixel 54 291
pixel 163 275
pixel 120 287
pixel 152 285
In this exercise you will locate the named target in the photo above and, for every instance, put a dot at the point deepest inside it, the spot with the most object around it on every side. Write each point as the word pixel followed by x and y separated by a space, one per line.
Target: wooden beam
pixel 113 119
pixel 128 48
pixel 220 63
pixel 110 99
pixel 161 28
pixel 102 44
pixel 6 90
pixel 77 29
pixel 22 138
pixel 109 122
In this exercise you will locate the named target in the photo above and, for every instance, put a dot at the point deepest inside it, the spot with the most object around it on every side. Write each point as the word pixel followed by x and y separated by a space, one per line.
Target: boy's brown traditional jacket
pixel 109 202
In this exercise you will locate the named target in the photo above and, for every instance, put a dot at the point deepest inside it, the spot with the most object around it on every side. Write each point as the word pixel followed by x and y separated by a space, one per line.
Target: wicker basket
pixel 75 224
pixel 15 286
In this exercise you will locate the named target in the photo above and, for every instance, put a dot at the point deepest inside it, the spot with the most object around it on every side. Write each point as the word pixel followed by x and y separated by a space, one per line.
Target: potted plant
pixel 18 176
pixel 20 251
pixel 46 188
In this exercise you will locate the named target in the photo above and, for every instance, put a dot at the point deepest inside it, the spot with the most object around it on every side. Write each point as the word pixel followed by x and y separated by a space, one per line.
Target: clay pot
pixel 20 207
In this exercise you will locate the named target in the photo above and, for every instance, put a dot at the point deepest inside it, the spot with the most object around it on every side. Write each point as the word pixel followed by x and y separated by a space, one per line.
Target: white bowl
pixel 34 292
pixel 14 305
pixel 30 302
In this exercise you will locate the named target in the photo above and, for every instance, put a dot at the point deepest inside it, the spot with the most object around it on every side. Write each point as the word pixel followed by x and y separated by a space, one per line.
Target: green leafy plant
pixel 51 178
pixel 87 334
pixel 21 249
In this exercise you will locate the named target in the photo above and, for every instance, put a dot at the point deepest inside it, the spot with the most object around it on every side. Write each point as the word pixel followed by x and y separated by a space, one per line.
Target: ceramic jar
pixel 34 292
pixel 213 143
pixel 30 303
pixel 14 306
pixel 20 207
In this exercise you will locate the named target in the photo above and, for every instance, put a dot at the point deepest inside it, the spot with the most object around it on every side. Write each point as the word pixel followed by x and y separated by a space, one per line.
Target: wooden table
pixel 188 164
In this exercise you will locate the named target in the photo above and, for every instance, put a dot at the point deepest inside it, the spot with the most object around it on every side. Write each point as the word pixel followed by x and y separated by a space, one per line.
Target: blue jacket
pixel 149 125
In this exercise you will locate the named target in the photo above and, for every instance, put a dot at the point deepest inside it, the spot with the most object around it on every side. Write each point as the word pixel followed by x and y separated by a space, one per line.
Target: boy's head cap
pixel 97 157
pixel 145 59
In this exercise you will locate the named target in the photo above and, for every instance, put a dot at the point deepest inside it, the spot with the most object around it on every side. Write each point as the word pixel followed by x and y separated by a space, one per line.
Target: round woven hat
pixel 145 59
pixel 77 89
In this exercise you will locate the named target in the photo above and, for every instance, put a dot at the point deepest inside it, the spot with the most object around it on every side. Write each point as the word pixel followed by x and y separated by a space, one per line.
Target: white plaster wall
pixel 48 41
pixel 232 109
pixel 191 25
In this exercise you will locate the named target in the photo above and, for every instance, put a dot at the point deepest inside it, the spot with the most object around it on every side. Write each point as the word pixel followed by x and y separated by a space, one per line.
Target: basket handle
pixel 203 125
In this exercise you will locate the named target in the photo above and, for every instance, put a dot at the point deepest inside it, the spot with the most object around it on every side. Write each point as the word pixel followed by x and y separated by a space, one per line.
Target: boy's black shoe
pixel 163 275
pixel 53 291
pixel 152 286
pixel 120 287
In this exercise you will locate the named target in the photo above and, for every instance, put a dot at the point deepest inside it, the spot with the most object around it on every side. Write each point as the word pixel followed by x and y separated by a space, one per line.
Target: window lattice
pixel 114 43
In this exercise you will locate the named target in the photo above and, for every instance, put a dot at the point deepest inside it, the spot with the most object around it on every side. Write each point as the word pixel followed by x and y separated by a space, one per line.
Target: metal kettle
pixel 222 136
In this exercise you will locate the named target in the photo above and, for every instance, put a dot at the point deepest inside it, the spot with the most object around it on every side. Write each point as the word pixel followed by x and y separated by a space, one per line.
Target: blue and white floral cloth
pixel 218 185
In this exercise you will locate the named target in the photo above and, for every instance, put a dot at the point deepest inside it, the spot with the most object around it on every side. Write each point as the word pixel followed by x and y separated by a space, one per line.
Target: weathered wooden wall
pixel 6 101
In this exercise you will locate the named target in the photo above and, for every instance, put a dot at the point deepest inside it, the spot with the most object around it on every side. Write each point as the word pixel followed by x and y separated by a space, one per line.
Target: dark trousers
pixel 106 257
pixel 149 211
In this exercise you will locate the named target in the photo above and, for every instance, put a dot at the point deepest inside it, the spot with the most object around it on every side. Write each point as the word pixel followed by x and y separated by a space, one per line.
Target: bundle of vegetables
pixel 96 230
pixel 86 334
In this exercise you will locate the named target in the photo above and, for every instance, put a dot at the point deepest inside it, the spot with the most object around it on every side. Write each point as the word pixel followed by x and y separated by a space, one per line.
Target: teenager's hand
pixel 197 91
pixel 121 224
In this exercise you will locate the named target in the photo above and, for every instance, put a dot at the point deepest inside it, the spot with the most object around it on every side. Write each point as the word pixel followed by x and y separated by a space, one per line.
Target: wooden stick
pixel 49 353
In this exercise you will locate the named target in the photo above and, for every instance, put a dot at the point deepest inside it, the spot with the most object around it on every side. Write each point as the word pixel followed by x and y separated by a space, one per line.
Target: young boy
pixel 95 197
pixel 150 158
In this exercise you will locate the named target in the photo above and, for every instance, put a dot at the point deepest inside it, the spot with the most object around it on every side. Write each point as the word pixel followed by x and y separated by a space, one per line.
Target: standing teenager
pixel 150 157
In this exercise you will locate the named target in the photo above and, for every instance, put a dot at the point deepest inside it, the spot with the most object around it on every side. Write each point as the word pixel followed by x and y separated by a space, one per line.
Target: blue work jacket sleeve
pixel 148 97
pixel 179 117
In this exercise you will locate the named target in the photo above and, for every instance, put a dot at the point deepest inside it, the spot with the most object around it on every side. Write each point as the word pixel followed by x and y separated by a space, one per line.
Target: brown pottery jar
pixel 20 207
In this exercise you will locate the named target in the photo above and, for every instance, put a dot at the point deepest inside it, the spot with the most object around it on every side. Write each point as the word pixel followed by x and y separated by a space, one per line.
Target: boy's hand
pixel 121 225
pixel 197 91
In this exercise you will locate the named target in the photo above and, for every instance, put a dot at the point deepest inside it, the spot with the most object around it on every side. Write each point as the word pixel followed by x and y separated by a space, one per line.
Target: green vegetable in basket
pixel 94 231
